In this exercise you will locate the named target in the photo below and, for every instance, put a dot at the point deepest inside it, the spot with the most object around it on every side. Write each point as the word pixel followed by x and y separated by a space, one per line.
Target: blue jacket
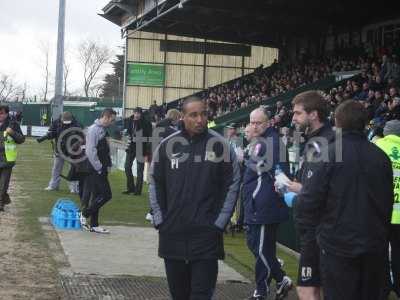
pixel 262 204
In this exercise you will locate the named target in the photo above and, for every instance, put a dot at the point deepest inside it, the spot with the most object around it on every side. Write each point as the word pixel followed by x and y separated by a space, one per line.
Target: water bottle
pixel 281 188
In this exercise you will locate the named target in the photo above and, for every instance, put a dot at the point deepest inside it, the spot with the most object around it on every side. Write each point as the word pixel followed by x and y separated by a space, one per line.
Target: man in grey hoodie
pixel 97 190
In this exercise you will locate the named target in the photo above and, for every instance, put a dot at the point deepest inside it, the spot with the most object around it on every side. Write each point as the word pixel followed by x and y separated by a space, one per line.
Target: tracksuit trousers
pixel 96 193
pixel 191 280
pixel 261 240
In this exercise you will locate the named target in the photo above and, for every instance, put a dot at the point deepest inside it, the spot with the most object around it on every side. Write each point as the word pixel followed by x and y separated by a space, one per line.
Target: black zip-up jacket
pixel 166 127
pixel 17 136
pixel 56 129
pixel 349 199
pixel 310 149
pixel 193 191
pixel 142 128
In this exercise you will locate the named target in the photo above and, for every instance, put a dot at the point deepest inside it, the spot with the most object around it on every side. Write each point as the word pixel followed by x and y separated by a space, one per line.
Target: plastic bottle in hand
pixel 281 188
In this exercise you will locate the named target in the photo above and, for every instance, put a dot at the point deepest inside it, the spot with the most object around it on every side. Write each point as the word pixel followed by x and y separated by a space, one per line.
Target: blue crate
pixel 65 215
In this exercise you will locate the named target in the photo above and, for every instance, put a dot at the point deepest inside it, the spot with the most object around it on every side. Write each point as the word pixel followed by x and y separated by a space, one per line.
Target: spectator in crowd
pixel 62 126
pixel 353 245
pixel 11 135
pixel 264 207
pixel 97 190
pixel 310 117
pixel 193 191
pixel 138 129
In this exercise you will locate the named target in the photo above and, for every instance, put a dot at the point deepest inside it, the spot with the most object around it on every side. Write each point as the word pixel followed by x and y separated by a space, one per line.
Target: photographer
pixel 59 127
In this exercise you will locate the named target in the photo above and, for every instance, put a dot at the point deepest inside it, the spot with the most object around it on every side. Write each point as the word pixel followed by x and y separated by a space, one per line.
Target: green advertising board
pixel 145 74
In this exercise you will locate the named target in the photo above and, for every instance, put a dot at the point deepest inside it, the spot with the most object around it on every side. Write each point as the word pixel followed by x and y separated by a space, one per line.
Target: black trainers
pixel 7 199
pixel 128 192
pixel 283 287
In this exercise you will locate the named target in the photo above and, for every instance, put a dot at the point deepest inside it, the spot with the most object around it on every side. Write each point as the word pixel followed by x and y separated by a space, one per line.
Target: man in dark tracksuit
pixel 137 128
pixel 264 208
pixel 97 190
pixel 194 183
pixel 8 129
pixel 349 201
pixel 310 117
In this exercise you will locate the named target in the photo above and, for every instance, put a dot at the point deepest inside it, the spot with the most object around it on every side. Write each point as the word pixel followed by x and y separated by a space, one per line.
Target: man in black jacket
pixel 194 184
pixel 137 128
pixel 349 199
pixel 60 127
pixel 310 117
pixel 10 133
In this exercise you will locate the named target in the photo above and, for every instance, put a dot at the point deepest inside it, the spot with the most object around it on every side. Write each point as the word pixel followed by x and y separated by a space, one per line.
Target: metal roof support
pixel 158 15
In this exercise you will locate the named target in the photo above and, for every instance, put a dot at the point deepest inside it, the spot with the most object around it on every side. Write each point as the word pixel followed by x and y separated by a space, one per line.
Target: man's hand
pixel 294 187
pixel 10 131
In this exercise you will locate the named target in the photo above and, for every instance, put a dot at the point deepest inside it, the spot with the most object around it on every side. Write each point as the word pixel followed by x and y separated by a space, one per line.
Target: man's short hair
pixel 108 112
pixel 351 116
pixel 5 108
pixel 312 100
pixel 189 100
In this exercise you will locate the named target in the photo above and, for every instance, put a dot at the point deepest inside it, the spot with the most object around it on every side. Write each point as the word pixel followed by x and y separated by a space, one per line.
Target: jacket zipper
pixel 186 237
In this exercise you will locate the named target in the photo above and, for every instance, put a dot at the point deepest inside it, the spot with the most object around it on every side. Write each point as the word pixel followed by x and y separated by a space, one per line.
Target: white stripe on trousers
pixel 260 253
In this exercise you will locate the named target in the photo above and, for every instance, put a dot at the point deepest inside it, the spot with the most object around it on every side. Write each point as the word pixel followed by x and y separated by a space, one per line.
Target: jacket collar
pixel 319 131
pixel 196 138
pixel 354 134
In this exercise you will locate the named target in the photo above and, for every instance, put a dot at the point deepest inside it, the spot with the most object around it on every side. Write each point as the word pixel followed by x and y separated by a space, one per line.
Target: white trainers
pixel 281 262
pixel 82 219
pixel 86 227
pixel 283 288
pixel 149 217
pixel 99 229
pixel 50 189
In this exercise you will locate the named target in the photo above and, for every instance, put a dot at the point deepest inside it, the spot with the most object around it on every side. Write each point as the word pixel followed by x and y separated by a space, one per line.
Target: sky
pixel 27 26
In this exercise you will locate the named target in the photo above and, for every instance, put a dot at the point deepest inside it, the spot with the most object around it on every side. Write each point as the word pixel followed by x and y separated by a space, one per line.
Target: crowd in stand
pixel 377 87
pixel 270 82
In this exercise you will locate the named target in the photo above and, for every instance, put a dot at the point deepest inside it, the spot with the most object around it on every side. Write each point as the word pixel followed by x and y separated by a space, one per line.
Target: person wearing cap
pixel 390 144
pixel 10 135
pixel 61 127
pixel 138 129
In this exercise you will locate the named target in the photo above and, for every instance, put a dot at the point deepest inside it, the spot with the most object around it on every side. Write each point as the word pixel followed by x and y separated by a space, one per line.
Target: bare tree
pixel 44 48
pixel 67 68
pixel 95 90
pixel 93 57
pixel 8 87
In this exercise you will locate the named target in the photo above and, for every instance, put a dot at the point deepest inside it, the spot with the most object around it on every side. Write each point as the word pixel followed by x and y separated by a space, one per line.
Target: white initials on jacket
pixel 175 160
pixel 174 163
